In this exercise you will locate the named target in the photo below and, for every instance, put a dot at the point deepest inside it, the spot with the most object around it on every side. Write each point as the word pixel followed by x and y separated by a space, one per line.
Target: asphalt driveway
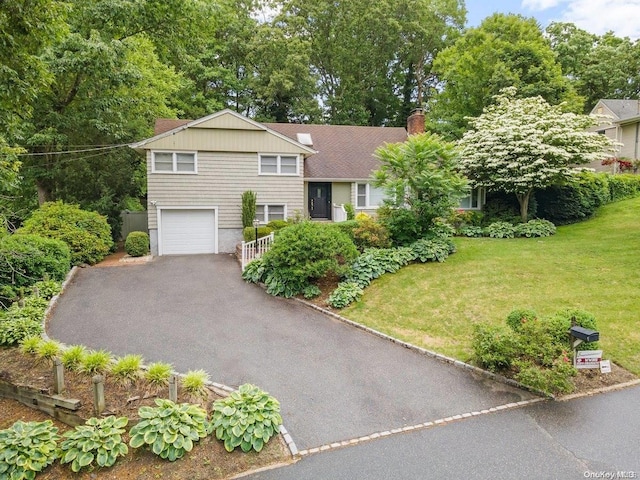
pixel 334 382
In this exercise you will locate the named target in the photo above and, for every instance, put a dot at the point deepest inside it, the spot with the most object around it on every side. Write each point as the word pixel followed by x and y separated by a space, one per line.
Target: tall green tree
pixel 604 66
pixel 422 181
pixel 505 50
pixel 520 144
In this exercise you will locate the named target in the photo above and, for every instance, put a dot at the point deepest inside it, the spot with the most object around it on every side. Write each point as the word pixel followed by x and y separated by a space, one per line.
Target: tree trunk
pixel 523 200
pixel 44 193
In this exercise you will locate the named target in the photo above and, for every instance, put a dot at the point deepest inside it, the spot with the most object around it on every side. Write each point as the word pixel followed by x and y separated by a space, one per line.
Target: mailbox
pixel 584 334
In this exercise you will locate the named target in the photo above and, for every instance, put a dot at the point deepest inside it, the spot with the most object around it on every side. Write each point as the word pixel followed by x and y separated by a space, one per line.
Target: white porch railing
pixel 255 249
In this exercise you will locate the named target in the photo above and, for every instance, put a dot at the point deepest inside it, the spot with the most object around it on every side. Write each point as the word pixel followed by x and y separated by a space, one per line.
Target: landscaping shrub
pixel 26 449
pixel 432 250
pixel 95 362
pixel 248 208
pixel 534 351
pixel 87 234
pixel 46 289
pixel 304 252
pixel 255 271
pixel 346 227
pixel 535 228
pixel 504 207
pixel 22 321
pixel 459 219
pixel 137 244
pixel 27 259
pixel 403 225
pixel 311 291
pixel 158 374
pixel 169 429
pixel 370 234
pixel 277 225
pixel 344 294
pixel 623 186
pixel 48 350
pixel 247 418
pixel 98 439
pixel 374 262
pixel 471 231
pixel 351 212
pixel 576 200
pixel 249 233
pixel 500 230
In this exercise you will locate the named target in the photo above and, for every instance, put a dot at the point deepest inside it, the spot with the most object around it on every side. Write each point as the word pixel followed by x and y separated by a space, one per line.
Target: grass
pixel 593 266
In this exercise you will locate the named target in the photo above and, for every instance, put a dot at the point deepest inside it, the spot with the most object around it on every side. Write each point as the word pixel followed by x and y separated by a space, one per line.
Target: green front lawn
pixel 593 265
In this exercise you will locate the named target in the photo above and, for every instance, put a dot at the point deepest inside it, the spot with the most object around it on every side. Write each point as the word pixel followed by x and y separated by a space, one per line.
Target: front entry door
pixel 320 200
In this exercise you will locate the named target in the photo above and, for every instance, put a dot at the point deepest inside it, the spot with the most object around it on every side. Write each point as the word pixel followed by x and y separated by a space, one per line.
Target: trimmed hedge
pixel 249 233
pixel 87 234
pixel 27 259
pixel 137 244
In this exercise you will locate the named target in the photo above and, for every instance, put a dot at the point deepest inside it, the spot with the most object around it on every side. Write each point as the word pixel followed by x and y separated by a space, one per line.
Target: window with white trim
pixel 174 162
pixel 278 164
pixel 368 196
pixel 267 212
pixel 474 200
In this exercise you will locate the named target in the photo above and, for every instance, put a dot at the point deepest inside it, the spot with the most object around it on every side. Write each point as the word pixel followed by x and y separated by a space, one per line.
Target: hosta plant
pixel 247 418
pixel 344 294
pixel 169 429
pixel 26 449
pixel 98 441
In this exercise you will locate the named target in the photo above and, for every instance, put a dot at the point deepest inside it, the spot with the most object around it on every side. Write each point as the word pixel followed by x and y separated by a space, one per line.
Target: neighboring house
pixel 197 171
pixel 624 128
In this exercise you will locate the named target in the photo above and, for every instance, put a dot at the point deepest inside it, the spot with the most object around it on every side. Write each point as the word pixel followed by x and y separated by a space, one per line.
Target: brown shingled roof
pixel 165 124
pixel 344 151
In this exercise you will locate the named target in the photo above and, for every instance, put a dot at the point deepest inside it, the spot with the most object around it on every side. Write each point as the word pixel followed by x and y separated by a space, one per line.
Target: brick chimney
pixel 415 122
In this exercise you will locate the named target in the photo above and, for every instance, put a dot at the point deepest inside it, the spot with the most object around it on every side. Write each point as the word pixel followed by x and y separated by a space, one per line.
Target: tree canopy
pixel 505 50
pixel 520 144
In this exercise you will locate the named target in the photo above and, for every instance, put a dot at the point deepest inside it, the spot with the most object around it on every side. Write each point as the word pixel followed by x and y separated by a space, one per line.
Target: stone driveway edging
pixel 428 353
pixel 219 388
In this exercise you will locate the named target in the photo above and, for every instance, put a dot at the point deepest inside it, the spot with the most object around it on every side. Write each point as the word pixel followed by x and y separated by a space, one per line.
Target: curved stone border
pixel 219 388
pixel 428 353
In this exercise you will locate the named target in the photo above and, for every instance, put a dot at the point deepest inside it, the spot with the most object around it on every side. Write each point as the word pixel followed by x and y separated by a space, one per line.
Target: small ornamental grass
pixel 96 362
pixel 30 345
pixel 48 350
pixel 73 357
pixel 158 374
pixel 126 370
pixel 26 449
pixel 169 429
pixel 98 441
pixel 247 418
pixel 194 383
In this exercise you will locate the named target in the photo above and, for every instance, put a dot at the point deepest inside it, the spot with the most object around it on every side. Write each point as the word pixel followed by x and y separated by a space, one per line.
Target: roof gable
pixel 618 109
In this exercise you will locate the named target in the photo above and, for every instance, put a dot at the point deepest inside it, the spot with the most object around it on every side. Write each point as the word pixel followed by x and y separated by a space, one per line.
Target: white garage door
pixel 187 231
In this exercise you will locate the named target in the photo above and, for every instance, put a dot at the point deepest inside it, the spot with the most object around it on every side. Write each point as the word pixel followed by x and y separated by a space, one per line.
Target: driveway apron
pixel 334 382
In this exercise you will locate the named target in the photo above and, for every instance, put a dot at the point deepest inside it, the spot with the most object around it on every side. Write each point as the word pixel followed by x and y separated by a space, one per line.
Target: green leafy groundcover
pixel 26 449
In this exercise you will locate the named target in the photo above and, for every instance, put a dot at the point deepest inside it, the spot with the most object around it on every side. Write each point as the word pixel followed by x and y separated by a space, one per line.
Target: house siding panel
pixel 221 180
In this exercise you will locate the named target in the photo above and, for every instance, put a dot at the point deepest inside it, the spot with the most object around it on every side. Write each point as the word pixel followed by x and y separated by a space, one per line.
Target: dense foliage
pixel 26 449
pixel 422 180
pixel 137 244
pixel 533 350
pixel 87 234
pixel 519 145
pixel 247 418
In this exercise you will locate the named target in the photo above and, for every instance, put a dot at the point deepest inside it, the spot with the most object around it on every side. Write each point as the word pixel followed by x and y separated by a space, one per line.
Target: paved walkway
pixel 335 382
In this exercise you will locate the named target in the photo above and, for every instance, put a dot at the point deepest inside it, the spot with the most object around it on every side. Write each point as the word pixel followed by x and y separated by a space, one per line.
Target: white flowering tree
pixel 520 144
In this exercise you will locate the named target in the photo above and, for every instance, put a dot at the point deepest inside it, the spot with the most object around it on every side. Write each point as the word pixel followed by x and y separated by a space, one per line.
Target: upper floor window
pixel 174 162
pixel 368 196
pixel 278 165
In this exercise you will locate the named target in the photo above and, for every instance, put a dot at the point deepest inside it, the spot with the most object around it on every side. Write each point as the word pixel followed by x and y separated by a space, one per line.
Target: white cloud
pixel 600 16
pixel 538 5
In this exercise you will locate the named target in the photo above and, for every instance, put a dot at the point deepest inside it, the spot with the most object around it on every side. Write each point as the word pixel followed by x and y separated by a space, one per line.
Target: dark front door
pixel 320 200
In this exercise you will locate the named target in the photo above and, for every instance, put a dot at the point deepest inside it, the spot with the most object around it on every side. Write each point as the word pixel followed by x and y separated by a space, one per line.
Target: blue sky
pixel 596 16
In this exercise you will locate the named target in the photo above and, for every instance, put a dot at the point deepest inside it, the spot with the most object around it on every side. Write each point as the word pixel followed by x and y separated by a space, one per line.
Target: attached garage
pixel 185 231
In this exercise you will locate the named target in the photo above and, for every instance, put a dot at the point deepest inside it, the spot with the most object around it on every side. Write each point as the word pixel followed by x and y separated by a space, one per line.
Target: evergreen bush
pixel 137 244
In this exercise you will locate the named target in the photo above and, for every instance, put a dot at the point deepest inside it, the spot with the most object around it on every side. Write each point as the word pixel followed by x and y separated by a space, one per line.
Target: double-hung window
pixel 278 164
pixel 174 162
pixel 267 212
pixel 474 200
pixel 368 196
